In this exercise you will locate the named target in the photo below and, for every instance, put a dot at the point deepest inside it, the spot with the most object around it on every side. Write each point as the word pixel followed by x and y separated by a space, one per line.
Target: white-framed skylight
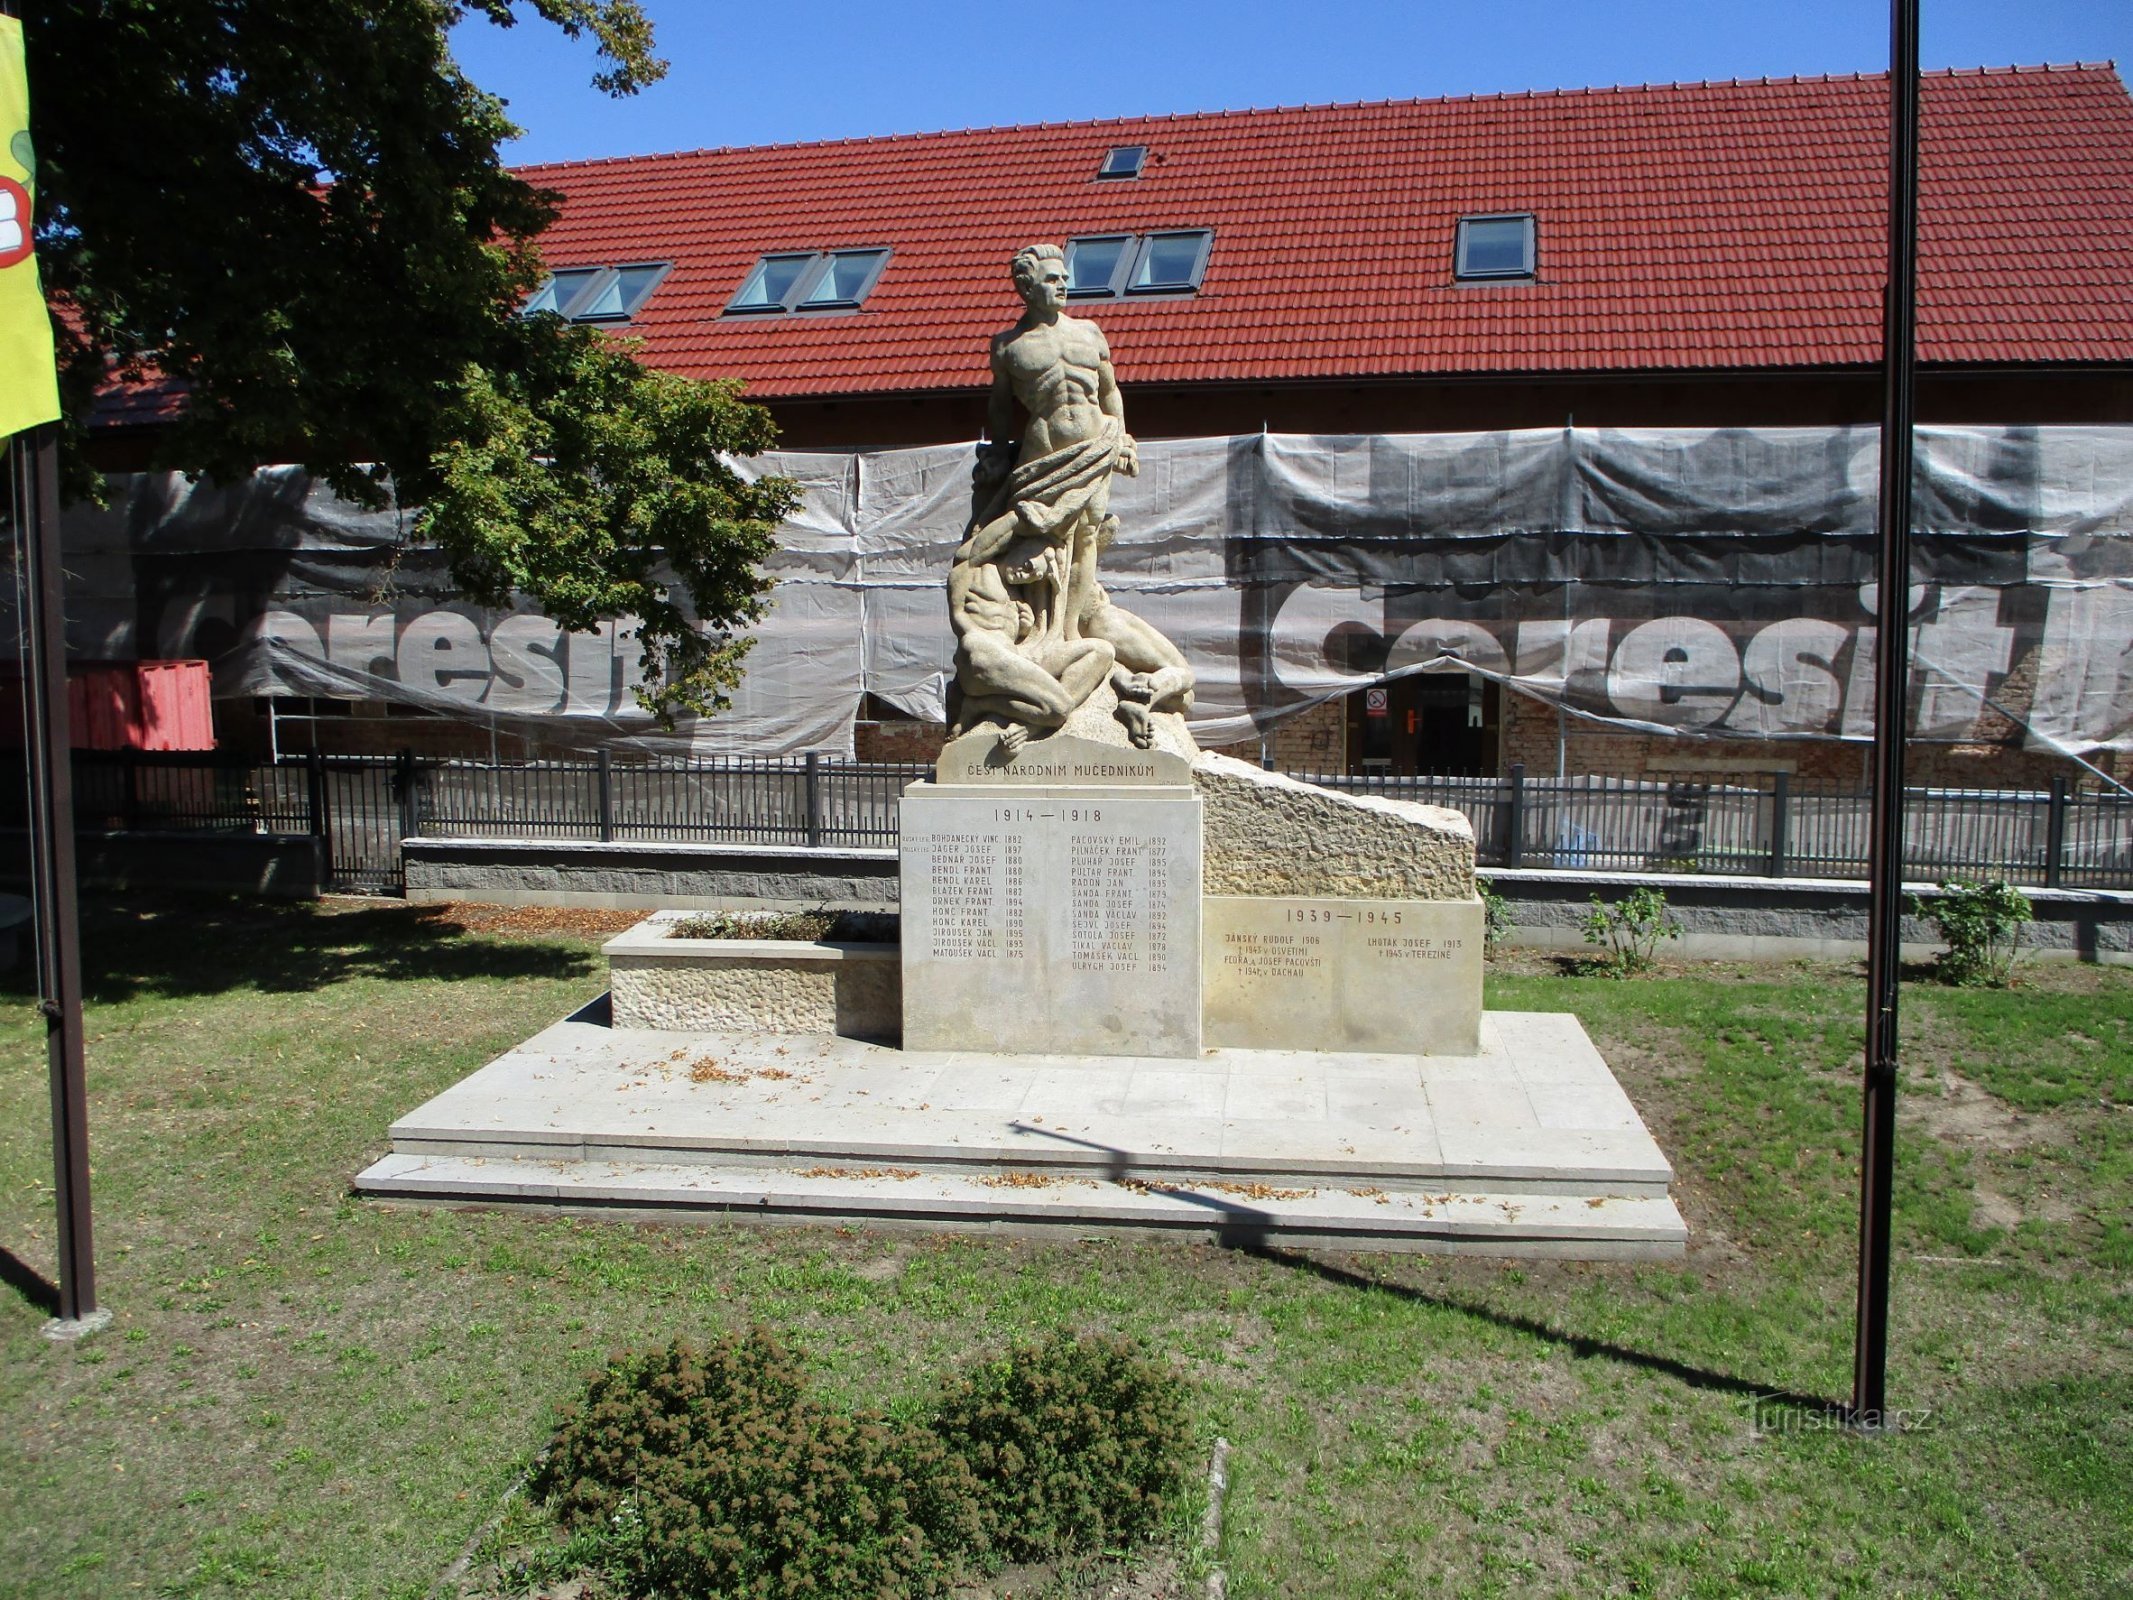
pixel 809 280
pixel 598 294
pixel 1495 247
pixel 1104 266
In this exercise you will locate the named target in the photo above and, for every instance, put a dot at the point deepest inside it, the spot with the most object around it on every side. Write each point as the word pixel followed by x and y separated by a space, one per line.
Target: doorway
pixel 1441 722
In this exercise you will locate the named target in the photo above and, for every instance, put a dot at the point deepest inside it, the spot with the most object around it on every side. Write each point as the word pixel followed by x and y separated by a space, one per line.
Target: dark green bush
pixel 1075 1442
pixel 713 1473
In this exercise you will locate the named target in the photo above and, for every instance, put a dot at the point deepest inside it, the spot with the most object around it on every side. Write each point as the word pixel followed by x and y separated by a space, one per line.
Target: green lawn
pixel 307 1395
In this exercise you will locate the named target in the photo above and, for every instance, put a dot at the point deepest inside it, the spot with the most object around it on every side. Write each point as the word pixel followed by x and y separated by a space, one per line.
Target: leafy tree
pixel 298 210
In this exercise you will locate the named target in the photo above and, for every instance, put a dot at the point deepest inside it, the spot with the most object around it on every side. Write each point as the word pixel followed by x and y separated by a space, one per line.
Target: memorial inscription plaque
pixel 1304 973
pixel 1039 919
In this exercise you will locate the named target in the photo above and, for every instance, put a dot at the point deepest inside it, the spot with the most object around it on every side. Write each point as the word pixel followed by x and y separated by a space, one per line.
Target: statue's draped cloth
pixel 1047 494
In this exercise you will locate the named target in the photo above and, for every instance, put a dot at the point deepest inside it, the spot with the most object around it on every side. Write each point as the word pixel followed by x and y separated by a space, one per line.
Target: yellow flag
pixel 29 391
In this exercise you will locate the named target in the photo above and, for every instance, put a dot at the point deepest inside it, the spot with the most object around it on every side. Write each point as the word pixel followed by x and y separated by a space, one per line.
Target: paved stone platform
pixel 1529 1148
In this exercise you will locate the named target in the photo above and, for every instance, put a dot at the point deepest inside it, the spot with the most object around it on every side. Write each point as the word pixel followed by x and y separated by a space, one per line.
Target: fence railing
pixel 814 801
pixel 362 806
pixel 1778 828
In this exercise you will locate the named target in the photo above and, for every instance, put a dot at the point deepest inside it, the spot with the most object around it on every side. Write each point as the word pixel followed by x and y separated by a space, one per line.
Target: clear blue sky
pixel 825 69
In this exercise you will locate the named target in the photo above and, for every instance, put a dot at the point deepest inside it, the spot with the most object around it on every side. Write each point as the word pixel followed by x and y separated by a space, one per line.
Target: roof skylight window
pixel 845 278
pixel 1095 265
pixel 1104 266
pixel 561 289
pixel 1170 263
pixel 1123 161
pixel 1494 247
pixel 597 294
pixel 811 280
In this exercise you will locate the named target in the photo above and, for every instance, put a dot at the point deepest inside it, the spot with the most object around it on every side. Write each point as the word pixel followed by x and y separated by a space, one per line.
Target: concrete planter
pixel 754 985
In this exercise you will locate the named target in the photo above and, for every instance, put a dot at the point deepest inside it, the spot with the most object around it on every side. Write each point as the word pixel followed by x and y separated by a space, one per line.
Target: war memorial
pixel 1135 985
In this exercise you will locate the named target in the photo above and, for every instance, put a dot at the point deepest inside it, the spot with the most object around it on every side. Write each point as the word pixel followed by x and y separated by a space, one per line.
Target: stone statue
pixel 1036 636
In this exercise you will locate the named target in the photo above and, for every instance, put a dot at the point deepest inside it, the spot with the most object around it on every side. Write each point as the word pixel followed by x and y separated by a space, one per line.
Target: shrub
pixel 1495 919
pixel 819 924
pixel 1629 932
pixel 1981 924
pixel 1072 1442
pixel 713 1473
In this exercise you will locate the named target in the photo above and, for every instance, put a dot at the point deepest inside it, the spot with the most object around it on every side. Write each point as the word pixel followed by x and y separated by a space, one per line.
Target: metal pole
pixel 2055 835
pixel 1780 821
pixel 1514 816
pixel 36 478
pixel 814 799
pixel 1891 696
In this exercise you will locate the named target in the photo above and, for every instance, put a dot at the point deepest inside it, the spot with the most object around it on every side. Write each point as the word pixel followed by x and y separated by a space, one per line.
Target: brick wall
pixel 898 740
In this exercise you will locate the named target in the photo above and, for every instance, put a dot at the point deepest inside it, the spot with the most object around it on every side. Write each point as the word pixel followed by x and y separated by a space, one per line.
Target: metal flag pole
pixel 36 479
pixel 1877 1161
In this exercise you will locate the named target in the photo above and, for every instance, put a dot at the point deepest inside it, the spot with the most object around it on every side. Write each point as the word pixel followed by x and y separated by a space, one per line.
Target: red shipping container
pixel 176 707
pixel 125 705
pixel 103 707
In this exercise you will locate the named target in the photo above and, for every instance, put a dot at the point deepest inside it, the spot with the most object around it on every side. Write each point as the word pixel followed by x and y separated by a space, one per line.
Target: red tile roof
pixel 1682 227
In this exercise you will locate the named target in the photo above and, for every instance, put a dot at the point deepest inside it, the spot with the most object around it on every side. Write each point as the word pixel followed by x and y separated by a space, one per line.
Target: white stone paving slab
pixel 1352 1216
pixel 583 1090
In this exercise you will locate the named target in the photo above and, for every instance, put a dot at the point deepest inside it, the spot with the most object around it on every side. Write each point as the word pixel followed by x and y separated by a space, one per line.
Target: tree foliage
pixel 298 211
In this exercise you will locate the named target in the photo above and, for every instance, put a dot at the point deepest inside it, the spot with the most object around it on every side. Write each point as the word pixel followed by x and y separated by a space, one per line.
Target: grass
pixel 307 1395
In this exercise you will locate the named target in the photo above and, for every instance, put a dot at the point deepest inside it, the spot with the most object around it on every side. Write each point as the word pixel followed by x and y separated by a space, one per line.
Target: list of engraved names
pixel 1119 890
pixel 977 880
pixel 1116 916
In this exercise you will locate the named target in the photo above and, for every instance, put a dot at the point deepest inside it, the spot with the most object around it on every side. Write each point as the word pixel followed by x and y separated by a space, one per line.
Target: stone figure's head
pixel 1041 276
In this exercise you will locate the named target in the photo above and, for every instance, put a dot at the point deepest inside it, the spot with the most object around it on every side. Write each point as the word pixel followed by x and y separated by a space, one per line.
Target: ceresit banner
pixel 1695 584
pixel 29 391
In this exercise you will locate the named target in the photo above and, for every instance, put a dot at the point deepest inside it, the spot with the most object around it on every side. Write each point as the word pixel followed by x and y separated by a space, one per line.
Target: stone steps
pixel 1529 1148
pixel 1354 1218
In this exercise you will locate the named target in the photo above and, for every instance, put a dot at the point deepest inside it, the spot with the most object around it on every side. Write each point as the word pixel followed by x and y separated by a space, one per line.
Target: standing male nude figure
pixel 1036 629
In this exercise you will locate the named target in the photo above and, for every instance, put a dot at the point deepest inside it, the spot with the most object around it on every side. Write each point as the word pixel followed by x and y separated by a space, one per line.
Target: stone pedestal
pixel 1062 918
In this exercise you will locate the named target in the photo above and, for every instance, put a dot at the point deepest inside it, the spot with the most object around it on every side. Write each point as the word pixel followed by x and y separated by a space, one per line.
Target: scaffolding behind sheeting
pixel 1713 583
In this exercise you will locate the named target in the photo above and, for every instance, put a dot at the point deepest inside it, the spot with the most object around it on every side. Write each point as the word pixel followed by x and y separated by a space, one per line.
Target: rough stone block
pixel 1272 835
pixel 754 985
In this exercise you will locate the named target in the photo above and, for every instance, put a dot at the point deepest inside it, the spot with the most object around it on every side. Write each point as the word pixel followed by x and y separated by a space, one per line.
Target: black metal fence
pixel 361 807
pixel 1780 827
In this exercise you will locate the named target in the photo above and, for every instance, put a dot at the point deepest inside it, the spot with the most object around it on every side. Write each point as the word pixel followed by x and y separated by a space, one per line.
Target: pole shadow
pixel 1583 1346
pixel 28 1282
pixel 1250 1232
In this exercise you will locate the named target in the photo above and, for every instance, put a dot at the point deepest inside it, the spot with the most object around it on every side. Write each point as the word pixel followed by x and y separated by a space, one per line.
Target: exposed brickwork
pixel 1314 740
pixel 898 741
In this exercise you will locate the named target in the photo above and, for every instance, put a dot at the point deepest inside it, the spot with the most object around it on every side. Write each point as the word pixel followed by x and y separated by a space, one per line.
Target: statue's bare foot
pixel 1170 689
pixel 1138 728
pixel 1012 738
pixel 1131 687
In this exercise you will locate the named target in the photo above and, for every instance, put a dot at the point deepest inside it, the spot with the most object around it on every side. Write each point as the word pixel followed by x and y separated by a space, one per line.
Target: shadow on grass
pixel 1245 1230
pixel 1579 1345
pixel 172 945
pixel 28 1282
